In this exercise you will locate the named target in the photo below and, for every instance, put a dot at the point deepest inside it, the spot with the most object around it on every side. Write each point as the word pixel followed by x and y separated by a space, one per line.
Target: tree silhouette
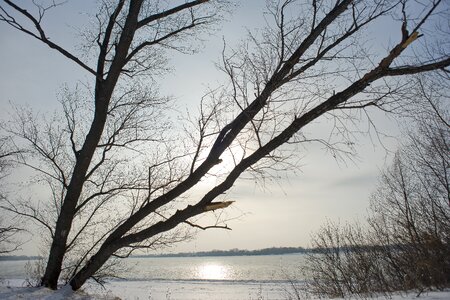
pixel 279 81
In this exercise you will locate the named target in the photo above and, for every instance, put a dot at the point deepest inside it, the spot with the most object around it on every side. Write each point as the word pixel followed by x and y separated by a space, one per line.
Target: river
pixel 219 277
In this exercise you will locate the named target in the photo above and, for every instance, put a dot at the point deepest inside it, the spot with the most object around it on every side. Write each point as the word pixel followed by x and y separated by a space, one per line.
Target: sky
pixel 280 213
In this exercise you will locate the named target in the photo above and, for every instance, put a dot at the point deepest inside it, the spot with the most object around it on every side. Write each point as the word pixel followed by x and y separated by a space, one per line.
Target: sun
pixel 228 160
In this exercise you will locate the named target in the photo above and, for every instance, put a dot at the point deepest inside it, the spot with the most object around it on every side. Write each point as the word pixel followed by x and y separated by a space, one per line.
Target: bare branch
pixel 41 34
pixel 169 12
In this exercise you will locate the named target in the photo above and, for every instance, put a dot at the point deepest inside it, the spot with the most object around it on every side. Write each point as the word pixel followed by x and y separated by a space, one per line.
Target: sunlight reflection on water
pixel 232 268
pixel 213 271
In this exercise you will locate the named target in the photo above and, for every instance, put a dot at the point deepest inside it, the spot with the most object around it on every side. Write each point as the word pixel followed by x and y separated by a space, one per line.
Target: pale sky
pixel 281 213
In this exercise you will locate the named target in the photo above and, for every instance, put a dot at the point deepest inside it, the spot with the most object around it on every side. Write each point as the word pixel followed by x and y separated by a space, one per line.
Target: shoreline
pixel 155 290
pixel 174 290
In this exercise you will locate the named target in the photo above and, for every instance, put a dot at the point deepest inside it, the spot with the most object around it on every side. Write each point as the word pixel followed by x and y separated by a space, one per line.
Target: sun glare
pixel 213 272
pixel 229 159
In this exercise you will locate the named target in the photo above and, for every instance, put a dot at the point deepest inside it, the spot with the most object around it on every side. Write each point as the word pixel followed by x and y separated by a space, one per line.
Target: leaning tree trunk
pixel 115 242
pixel 93 265
pixel 103 92
pixel 68 208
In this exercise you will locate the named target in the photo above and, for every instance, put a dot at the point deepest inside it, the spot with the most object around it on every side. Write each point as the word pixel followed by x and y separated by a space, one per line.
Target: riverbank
pixel 12 289
pixel 154 290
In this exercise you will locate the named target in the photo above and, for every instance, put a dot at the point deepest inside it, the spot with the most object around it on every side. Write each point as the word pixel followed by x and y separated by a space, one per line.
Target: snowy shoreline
pixel 151 289
pixel 172 290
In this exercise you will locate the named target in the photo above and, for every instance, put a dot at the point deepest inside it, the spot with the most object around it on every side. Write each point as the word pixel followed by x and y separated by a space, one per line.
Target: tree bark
pixel 111 246
pixel 68 208
pixel 103 92
pixel 93 265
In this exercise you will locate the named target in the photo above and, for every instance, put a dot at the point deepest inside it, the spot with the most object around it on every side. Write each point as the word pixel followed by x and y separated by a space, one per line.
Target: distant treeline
pixel 265 251
pixel 234 252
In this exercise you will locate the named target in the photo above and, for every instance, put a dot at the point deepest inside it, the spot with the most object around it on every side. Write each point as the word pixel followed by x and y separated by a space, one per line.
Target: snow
pixel 13 289
pixel 168 290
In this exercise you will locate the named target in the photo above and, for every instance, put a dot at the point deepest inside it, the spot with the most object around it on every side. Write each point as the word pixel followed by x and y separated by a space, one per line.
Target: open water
pixel 221 277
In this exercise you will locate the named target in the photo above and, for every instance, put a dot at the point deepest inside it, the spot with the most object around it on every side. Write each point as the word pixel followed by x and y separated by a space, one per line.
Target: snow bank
pixel 168 290
pixel 14 289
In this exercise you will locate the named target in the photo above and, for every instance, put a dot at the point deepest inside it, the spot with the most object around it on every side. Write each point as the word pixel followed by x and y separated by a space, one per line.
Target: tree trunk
pixel 103 93
pixel 93 265
pixel 68 208
pixel 59 242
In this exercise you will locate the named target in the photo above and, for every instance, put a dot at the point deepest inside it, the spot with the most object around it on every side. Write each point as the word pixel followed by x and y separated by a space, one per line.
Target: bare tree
pixel 412 209
pixel 281 80
pixel 406 245
pixel 76 157
pixel 344 263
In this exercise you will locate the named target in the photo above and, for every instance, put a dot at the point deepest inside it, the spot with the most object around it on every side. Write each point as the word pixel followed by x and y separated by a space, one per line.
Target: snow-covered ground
pixel 166 290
